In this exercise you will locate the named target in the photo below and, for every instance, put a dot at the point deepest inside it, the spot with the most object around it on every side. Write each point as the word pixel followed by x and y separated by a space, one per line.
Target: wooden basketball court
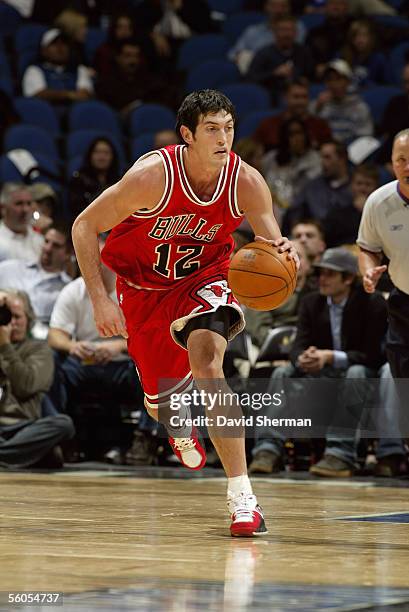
pixel 157 539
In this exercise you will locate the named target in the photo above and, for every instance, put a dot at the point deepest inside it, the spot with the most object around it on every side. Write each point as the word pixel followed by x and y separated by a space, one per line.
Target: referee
pixel 384 228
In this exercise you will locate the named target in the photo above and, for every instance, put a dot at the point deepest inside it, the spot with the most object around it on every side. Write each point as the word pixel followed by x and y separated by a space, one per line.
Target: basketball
pixel 261 277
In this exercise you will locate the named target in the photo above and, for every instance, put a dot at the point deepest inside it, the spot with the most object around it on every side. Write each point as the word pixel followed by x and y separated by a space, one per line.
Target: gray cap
pixel 338 259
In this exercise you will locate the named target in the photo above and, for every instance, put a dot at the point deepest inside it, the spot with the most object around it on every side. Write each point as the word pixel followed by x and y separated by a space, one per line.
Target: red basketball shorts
pixel 155 318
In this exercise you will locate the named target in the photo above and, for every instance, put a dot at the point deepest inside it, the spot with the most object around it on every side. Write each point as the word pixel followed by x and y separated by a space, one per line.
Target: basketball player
pixel 172 216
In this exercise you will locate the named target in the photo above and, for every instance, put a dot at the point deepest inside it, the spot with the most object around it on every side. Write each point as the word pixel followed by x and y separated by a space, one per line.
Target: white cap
pixel 50 36
pixel 340 66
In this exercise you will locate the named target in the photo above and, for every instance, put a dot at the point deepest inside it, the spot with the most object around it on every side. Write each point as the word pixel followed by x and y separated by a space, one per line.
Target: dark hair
pixel 113 170
pixel 297 82
pixel 369 170
pixel 127 42
pixel 111 38
pixel 340 148
pixel 283 149
pixel 64 229
pixel 202 102
pixel 309 221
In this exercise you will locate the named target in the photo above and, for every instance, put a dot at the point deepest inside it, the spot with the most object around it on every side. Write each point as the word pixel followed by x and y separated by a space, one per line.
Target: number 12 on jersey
pixel 183 266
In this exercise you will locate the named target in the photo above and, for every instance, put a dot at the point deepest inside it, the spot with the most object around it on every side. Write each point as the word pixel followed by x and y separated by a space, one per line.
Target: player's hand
pixel 372 277
pixel 283 245
pixel 109 319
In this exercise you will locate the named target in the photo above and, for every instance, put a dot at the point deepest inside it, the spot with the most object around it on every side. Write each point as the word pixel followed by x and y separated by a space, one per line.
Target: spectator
pixel 250 152
pixel 347 114
pixel 395 118
pixel 274 66
pixel 163 138
pixel 310 234
pixel 326 40
pixel 18 240
pixel 45 205
pixel 259 323
pixel 260 35
pixel 99 170
pixel 342 224
pixel 292 164
pixel 296 103
pixel 368 65
pixel 74 26
pixel 131 82
pixel 43 278
pixel 26 372
pixel 340 334
pixel 121 28
pixel 54 78
pixel 84 362
pixel 328 191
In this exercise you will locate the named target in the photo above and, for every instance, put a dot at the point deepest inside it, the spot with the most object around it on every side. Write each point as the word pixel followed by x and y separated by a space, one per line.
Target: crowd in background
pixel 321 89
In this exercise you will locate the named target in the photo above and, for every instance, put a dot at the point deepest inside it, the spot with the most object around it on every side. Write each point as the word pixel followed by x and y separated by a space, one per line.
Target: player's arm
pixel 370 268
pixel 256 203
pixel 141 187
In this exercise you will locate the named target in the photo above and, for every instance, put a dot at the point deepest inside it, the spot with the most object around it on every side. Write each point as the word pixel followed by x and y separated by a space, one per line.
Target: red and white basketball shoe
pixel 190 451
pixel 246 516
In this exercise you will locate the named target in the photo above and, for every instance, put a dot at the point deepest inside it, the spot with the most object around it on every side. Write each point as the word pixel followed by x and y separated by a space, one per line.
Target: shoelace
pixel 184 443
pixel 243 511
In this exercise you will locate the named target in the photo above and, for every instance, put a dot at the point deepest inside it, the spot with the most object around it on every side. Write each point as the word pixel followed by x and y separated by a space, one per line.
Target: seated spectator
pixel 368 65
pixel 310 234
pixel 45 206
pixel 296 101
pixel 131 82
pixel 292 164
pixel 54 78
pixel 99 170
pixel 274 66
pixel 74 26
pixel 26 373
pixel 326 40
pixel 328 191
pixel 347 114
pixel 395 118
pixel 43 278
pixel 341 224
pixel 321 351
pixel 18 240
pixel 259 323
pixel 250 152
pixel 85 363
pixel 121 28
pixel 260 35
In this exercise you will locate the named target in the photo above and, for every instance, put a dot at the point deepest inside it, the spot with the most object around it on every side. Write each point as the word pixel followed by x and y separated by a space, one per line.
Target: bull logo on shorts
pixel 217 290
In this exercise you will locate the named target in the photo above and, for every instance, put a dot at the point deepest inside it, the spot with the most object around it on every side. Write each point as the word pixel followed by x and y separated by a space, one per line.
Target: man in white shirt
pixel 18 240
pixel 43 278
pixel 52 79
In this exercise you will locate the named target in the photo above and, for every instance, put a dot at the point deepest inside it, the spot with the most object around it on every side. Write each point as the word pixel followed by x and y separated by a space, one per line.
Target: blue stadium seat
pixel 10 19
pixel 236 24
pixel 28 37
pixel 93 115
pixel 38 112
pixel 95 38
pixel 79 141
pixel 247 97
pixel 315 89
pixel 25 59
pixel 212 74
pixel 312 20
pixel 391 21
pixel 73 165
pixel 4 63
pixel 32 138
pixel 8 171
pixel 200 48
pixel 151 118
pixel 397 61
pixel 250 122
pixel 377 98
pixel 142 144
pixel 48 171
pixel 226 6
pixel 6 84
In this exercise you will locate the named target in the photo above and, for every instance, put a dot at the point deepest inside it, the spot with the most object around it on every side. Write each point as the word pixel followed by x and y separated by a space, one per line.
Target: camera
pixel 5 314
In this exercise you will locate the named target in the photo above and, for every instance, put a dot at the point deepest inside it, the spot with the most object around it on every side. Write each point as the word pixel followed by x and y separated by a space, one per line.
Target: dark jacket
pixel 363 330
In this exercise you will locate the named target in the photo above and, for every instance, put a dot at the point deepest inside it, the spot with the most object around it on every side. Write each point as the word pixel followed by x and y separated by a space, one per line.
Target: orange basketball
pixel 261 277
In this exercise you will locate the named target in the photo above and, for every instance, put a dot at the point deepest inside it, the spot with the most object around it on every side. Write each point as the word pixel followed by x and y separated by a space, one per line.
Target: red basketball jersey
pixel 181 235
